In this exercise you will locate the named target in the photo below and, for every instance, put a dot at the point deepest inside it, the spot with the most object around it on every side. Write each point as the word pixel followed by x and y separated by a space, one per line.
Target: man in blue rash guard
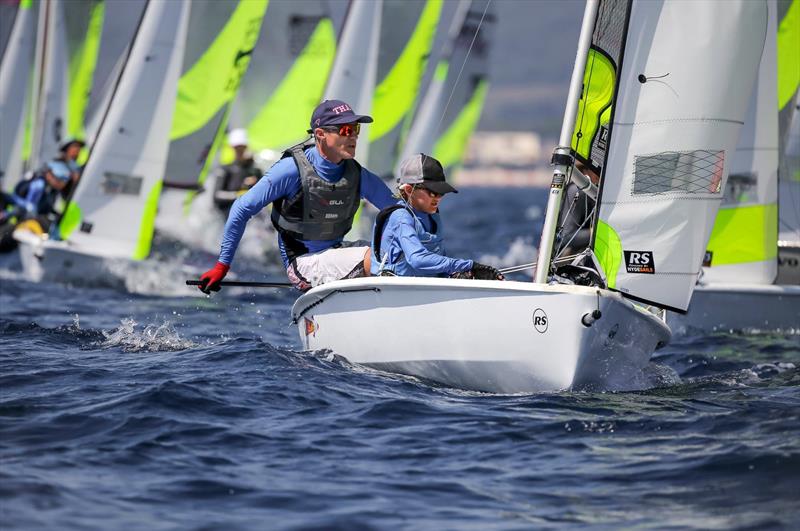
pixel 407 238
pixel 315 191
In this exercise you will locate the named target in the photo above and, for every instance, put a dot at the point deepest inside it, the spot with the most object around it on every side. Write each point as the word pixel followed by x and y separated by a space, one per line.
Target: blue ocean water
pixel 168 410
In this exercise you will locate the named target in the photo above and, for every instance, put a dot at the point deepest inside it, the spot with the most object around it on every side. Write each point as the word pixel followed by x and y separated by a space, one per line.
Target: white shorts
pixel 337 263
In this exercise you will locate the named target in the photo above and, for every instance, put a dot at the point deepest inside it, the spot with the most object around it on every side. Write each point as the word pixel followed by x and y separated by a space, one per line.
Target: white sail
pixel 285 81
pixel 743 245
pixel 422 133
pixel 673 134
pixel 14 69
pixel 50 93
pixel 113 208
pixel 407 33
pixel 356 65
pixel 788 40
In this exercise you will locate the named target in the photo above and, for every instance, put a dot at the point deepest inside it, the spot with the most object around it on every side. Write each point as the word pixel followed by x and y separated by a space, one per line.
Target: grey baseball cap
pixel 425 170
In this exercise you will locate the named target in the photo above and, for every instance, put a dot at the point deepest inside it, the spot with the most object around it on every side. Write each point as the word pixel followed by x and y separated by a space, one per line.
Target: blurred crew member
pixel 239 176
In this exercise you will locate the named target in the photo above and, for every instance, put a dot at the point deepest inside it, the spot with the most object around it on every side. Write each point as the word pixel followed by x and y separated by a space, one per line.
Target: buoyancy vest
pixel 321 210
pixel 432 241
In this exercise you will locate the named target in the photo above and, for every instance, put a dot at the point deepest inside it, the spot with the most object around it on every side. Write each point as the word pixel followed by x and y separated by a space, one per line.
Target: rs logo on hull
pixel 540 320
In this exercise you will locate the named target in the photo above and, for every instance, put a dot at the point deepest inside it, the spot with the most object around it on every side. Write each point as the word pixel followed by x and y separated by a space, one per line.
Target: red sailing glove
pixel 209 281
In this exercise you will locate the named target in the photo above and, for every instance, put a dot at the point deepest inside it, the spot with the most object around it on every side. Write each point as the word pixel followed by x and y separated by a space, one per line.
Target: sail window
pixel 117 183
pixel 686 172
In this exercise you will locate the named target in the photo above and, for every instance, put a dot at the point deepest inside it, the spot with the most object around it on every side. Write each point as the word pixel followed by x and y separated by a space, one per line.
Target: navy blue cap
pixel 336 112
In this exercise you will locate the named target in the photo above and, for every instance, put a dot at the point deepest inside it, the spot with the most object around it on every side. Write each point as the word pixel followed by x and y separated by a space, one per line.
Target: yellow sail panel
pixel 214 79
pixel 148 223
pixel 284 118
pixel 594 107
pixel 81 72
pixel 608 249
pixel 70 220
pixel 395 96
pixel 744 234
pixel 449 149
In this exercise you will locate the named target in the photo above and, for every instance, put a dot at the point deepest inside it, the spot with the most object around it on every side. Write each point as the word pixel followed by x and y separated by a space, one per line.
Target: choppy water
pixel 153 411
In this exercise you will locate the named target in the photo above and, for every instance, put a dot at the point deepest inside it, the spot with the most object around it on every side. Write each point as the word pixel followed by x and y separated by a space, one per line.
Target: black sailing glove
pixel 485 272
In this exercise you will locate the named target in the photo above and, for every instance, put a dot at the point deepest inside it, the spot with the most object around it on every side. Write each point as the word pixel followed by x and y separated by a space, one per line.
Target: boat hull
pixel 59 261
pixel 739 307
pixel 505 337
pixel 788 264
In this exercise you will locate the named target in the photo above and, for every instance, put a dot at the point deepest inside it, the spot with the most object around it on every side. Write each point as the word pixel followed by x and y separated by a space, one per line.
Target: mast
pixel 562 155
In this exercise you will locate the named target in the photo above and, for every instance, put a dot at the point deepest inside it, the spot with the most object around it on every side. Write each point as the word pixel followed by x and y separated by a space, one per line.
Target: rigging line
pixel 463 64
pixel 531 265
pixel 573 235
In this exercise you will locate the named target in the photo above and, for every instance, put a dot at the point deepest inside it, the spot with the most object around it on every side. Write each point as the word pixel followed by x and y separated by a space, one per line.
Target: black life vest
pixel 320 210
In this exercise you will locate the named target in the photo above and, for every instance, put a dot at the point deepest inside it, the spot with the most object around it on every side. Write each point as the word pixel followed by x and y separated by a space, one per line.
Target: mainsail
pixel 788 78
pixel 67 48
pixel 113 209
pixel 407 31
pixel 219 48
pixel 16 59
pixel 663 148
pixel 453 101
pixel 293 57
pixel 355 67
pixel 743 246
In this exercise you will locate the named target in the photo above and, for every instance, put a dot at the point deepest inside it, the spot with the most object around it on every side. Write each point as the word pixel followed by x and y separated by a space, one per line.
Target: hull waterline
pixel 740 307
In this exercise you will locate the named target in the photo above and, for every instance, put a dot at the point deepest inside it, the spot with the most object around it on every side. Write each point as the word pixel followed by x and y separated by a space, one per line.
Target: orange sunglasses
pixel 346 129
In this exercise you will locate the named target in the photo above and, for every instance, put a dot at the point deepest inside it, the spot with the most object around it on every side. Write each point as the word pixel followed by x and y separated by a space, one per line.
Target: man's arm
pixel 417 255
pixel 374 190
pixel 282 180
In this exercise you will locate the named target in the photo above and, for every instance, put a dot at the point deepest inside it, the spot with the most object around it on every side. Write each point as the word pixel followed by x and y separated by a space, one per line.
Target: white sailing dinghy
pixel 738 288
pixel 109 219
pixel 665 158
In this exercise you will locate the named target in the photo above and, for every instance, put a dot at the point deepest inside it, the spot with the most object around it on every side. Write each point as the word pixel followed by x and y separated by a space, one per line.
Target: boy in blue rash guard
pixel 407 239
pixel 315 191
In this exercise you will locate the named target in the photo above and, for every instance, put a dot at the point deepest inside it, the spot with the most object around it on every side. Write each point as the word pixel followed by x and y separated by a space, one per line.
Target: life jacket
pixel 35 195
pixel 432 241
pixel 321 210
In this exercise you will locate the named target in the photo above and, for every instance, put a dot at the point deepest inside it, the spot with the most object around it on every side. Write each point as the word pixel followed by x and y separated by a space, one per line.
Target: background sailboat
pixel 111 214
pixel 222 37
pixel 452 103
pixel 407 35
pixel 738 288
pixel 293 58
